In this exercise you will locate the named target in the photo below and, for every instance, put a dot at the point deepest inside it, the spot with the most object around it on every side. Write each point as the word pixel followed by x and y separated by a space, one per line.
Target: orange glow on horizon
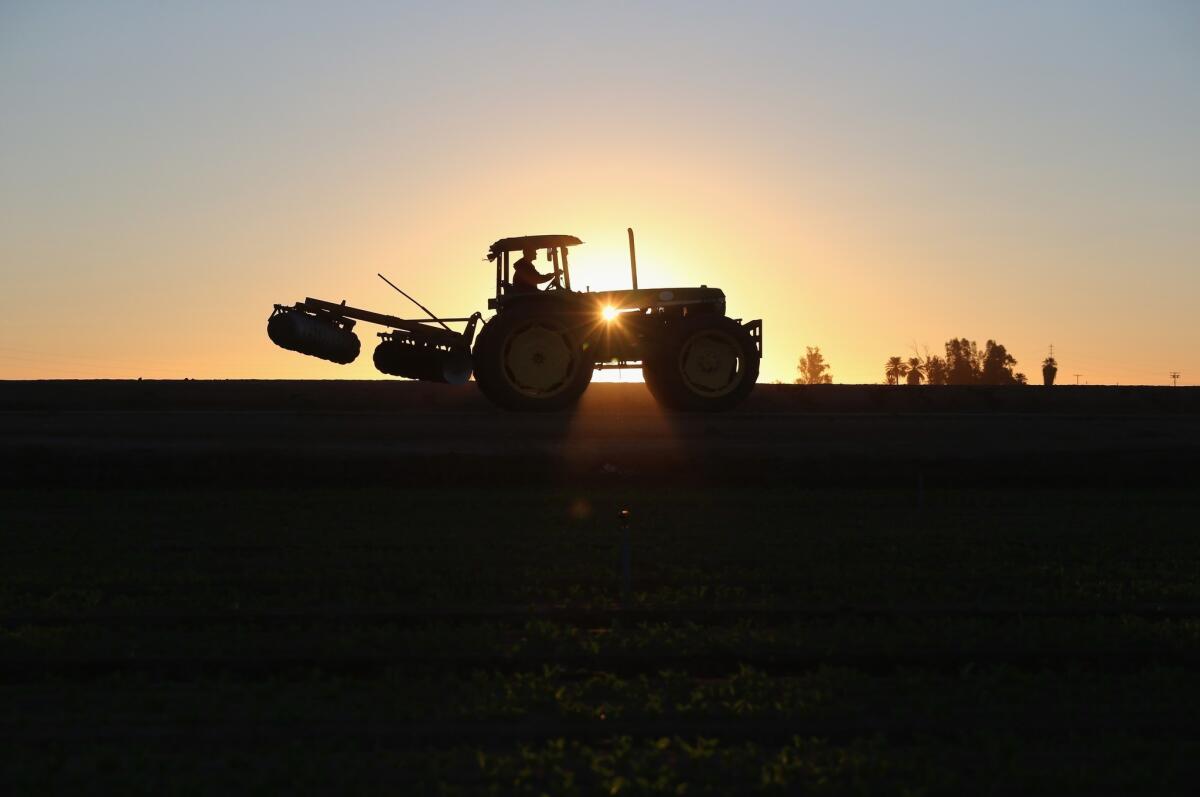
pixel 852 196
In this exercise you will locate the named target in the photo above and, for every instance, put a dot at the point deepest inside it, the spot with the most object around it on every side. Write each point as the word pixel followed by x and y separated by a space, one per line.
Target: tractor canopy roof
pixel 531 242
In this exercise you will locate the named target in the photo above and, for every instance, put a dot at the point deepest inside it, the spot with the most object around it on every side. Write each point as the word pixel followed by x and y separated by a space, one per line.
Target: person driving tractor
pixel 526 277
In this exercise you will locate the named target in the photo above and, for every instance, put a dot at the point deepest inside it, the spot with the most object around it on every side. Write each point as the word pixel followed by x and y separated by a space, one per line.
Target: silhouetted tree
pixel 1049 370
pixel 935 370
pixel 894 369
pixel 963 365
pixel 997 365
pixel 813 368
pixel 915 370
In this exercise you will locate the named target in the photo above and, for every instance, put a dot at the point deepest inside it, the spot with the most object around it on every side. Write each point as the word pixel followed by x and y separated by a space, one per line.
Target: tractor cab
pixel 555 247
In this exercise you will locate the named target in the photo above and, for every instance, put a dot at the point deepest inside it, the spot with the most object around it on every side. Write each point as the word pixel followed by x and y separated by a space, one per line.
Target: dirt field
pixel 473 640
pixel 358 433
pixel 385 588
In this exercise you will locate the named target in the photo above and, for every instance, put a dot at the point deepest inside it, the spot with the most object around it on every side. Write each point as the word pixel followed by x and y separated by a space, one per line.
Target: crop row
pixel 836 697
pixel 664 766
pixel 592 617
pixel 275 549
pixel 944 643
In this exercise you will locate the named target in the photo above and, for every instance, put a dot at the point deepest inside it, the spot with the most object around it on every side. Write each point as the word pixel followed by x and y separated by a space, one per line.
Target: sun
pixel 609 313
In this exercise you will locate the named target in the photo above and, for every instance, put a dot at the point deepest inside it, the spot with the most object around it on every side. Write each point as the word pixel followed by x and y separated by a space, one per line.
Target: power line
pixel 1077 378
pixel 1174 379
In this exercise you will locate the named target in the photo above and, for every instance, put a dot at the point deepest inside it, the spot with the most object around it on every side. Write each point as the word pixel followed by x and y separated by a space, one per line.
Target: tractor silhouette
pixel 540 348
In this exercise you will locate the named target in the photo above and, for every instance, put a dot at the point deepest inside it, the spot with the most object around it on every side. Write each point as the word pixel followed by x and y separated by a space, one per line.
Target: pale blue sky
pixel 861 175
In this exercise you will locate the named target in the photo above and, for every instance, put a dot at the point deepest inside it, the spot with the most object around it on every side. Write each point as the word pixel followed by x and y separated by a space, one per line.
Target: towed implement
pixel 539 349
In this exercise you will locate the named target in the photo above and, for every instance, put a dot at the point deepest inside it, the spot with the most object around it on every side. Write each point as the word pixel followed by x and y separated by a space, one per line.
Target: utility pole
pixel 1174 379
pixel 1077 378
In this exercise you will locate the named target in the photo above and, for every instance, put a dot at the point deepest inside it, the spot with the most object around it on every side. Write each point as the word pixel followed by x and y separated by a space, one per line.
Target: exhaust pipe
pixel 632 257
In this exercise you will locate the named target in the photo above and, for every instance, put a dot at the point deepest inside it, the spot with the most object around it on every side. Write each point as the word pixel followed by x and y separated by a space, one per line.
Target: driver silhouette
pixel 526 277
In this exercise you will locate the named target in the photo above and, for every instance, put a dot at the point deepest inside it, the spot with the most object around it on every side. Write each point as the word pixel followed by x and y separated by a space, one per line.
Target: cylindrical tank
pixel 317 337
pixel 427 363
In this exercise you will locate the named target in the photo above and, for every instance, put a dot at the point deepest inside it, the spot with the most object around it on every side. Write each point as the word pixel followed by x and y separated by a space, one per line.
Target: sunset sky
pixel 864 177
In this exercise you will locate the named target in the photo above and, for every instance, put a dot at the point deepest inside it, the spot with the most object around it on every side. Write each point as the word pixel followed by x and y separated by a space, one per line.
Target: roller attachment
pixel 401 353
pixel 328 337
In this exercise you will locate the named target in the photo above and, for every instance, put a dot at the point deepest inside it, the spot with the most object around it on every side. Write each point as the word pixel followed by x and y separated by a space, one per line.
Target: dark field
pixel 221 598
pixel 391 434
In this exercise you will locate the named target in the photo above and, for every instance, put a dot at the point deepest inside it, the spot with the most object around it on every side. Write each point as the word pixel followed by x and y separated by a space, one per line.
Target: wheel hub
pixel 709 363
pixel 538 359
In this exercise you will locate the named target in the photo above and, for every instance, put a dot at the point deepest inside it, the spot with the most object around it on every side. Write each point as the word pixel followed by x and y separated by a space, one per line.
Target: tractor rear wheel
pixel 709 363
pixel 530 360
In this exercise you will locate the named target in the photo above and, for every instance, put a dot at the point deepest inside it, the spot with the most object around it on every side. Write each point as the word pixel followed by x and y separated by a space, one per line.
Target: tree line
pixel 964 363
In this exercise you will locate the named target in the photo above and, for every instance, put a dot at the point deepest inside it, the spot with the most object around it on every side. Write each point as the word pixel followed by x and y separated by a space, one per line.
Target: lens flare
pixel 609 313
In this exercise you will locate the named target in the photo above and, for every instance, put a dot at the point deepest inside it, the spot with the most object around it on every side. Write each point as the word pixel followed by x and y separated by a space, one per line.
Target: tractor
pixel 539 349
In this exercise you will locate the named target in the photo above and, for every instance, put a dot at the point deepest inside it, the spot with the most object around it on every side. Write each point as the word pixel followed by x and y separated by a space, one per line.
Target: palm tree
pixel 894 369
pixel 915 370
pixel 1049 369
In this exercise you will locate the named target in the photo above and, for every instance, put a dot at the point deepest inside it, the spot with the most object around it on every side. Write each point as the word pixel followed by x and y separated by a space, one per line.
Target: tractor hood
pixel 658 297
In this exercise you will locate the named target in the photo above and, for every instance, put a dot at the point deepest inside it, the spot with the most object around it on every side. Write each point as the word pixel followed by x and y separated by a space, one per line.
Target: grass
pixel 831 641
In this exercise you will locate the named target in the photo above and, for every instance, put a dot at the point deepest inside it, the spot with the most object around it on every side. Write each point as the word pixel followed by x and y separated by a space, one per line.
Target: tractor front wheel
pixel 526 360
pixel 709 363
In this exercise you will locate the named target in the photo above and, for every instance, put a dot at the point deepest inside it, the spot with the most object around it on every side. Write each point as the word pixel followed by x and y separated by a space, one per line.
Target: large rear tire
pixel 709 363
pixel 531 360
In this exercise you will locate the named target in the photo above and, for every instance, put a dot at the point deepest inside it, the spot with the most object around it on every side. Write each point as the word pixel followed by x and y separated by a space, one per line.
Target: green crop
pixel 788 641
